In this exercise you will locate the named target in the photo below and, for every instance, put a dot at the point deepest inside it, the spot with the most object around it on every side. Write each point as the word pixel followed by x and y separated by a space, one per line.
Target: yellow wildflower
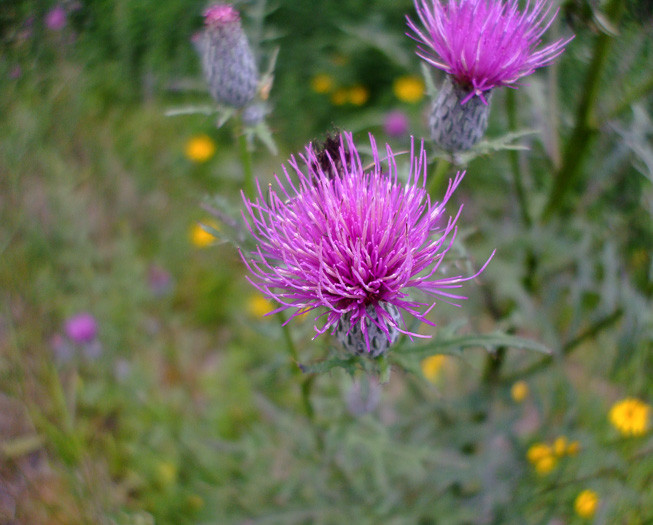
pixel 409 89
pixel 432 365
pixel 200 148
pixel 166 473
pixel 560 446
pixel 339 97
pixel 358 95
pixel 631 417
pixel 586 503
pixel 258 306
pixel 322 83
pixel 519 391
pixel 545 465
pixel 195 502
pixel 200 237
pixel 573 448
pixel 538 451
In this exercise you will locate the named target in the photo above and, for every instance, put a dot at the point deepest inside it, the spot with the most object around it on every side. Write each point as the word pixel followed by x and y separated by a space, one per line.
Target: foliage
pixel 196 410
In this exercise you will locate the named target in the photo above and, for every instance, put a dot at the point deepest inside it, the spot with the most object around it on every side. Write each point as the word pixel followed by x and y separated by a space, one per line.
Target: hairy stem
pixel 246 161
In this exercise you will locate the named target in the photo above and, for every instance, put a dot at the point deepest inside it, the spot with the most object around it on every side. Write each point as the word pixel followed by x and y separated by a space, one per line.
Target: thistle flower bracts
pixel 227 60
pixel 352 240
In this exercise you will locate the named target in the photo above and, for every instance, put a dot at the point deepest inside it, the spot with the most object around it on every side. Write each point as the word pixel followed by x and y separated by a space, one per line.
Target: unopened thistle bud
pixel 227 59
pixel 456 126
pixel 378 340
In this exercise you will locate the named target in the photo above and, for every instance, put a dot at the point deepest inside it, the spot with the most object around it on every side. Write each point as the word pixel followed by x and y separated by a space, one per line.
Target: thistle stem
pixel 246 161
pixel 290 346
pixel 511 110
pixel 585 127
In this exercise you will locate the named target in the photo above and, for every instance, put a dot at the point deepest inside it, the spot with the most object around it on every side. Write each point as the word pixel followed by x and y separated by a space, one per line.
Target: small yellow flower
pixel 195 502
pixel 258 306
pixel 631 417
pixel 586 503
pixel 322 83
pixel 358 95
pixel 560 446
pixel 339 97
pixel 538 451
pixel 166 473
pixel 519 391
pixel 409 89
pixel 573 448
pixel 432 365
pixel 545 465
pixel 200 237
pixel 200 148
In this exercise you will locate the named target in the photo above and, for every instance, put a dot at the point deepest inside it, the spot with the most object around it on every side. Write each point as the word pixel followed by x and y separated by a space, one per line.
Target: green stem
pixel 290 346
pixel 441 169
pixel 511 110
pixel 246 161
pixel 307 384
pixel 585 126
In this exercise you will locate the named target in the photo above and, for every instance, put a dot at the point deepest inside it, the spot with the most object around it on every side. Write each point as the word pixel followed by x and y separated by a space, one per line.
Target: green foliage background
pixel 194 413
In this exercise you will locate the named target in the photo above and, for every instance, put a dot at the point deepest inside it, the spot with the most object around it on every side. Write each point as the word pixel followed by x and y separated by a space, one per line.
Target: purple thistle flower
pixel 55 20
pixel 485 44
pixel 396 124
pixel 227 60
pixel 352 240
pixel 81 328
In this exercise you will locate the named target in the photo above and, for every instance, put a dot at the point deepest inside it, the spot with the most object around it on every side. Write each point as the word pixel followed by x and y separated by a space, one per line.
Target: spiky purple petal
pixel 485 44
pixel 351 239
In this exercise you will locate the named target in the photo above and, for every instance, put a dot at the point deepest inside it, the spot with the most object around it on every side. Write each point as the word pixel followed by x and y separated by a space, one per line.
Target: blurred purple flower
pixel 81 328
pixel 485 44
pixel 352 240
pixel 55 20
pixel 396 124
pixel 15 72
pixel 159 281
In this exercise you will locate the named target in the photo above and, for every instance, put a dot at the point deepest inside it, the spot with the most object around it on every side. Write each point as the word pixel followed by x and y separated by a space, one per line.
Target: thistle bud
pixel 456 123
pixel 352 338
pixel 227 59
pixel 254 113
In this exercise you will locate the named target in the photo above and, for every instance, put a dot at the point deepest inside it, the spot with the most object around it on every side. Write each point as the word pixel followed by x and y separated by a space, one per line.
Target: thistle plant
pixel 227 60
pixel 351 241
pixel 481 45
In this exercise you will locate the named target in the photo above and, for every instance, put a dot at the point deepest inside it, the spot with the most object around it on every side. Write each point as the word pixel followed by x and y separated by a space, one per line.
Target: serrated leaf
pixel 191 110
pixel 324 366
pixel 485 147
pixel 489 341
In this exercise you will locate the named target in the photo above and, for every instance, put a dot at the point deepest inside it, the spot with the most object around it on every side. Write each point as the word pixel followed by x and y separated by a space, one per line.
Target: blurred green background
pixel 192 412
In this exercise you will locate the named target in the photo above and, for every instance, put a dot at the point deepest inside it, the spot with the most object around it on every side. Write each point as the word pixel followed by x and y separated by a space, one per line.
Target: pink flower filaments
pixel 352 241
pixel 481 45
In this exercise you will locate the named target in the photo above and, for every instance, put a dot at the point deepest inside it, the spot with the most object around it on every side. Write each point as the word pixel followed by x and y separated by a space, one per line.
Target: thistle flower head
pixel 227 60
pixel 352 240
pixel 485 44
